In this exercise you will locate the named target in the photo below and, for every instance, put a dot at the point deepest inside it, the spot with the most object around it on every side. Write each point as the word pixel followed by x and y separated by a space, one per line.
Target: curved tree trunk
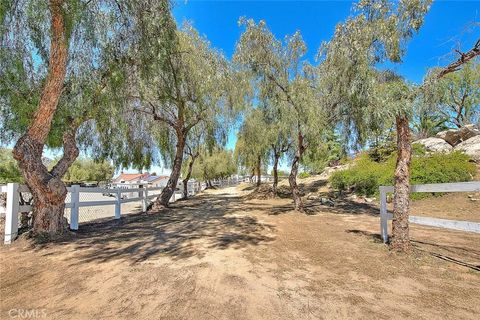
pixel 47 188
pixel 276 158
pixel 292 179
pixel 401 201
pixel 259 171
pixel 164 198
pixel 189 174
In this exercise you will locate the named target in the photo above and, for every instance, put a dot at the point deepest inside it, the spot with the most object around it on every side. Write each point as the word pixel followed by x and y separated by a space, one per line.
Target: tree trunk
pixel 292 179
pixel 276 158
pixel 401 201
pixel 189 174
pixel 164 198
pixel 48 190
pixel 259 171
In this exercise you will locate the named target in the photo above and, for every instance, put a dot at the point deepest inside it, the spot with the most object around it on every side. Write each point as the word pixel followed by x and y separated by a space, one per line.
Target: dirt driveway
pixel 219 256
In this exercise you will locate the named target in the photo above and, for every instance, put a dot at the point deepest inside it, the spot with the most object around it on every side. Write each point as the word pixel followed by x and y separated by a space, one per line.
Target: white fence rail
pixel 144 195
pixel 468 226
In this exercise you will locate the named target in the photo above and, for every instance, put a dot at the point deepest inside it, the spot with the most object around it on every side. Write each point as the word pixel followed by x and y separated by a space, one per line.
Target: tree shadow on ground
pixel 455 254
pixel 376 237
pixel 462 256
pixel 188 229
pixel 312 186
pixel 344 206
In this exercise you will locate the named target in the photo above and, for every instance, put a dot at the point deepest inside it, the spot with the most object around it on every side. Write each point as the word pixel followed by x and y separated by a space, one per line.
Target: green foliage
pixel 365 176
pixel 187 84
pixel 88 170
pixel 383 146
pixel 9 171
pixel 215 165
pixel 252 140
pixel 284 84
pixel 281 173
pixel 102 35
pixel 455 98
pixel 304 175
pixel 322 152
pixel 363 98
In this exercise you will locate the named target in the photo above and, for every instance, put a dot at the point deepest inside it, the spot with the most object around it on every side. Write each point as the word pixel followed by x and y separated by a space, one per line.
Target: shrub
pixel 303 175
pixel 366 175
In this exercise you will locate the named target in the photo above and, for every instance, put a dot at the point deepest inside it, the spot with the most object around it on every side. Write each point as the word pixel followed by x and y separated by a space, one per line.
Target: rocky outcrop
pixel 470 147
pixel 435 145
pixel 456 136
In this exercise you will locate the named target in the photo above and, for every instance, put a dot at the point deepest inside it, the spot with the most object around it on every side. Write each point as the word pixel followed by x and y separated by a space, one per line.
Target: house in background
pixel 133 180
pixel 129 179
pixel 157 181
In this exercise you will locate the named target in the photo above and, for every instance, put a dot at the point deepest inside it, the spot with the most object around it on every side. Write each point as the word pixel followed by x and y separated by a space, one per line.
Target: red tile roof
pixel 131 176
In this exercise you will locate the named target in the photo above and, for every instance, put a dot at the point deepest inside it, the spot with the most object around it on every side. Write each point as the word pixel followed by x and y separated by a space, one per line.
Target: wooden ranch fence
pixel 468 226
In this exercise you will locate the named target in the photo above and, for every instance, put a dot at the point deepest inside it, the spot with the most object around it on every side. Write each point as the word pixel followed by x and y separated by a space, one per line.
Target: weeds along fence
pixel 467 226
pixel 84 204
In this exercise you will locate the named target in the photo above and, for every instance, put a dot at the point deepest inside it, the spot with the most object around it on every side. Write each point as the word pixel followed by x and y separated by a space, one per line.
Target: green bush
pixel 303 175
pixel 365 176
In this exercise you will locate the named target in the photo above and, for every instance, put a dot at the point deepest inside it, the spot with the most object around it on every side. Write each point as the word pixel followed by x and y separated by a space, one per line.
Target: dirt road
pixel 219 256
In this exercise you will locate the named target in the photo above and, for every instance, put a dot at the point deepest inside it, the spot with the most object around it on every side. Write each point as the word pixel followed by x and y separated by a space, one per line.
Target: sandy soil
pixel 220 256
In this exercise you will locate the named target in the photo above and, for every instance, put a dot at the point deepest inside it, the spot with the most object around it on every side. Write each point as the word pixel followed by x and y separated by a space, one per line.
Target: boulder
pixel 435 145
pixel 470 147
pixel 456 136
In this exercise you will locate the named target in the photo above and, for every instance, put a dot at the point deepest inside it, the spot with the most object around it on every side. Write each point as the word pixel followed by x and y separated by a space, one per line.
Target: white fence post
pixel 145 199
pixel 74 210
pixel 118 204
pixel 383 215
pixel 11 216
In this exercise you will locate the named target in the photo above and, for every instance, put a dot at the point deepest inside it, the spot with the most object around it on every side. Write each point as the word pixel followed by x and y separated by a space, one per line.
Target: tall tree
pixel 288 78
pixel 48 47
pixel 377 32
pixel 188 83
pixel 252 145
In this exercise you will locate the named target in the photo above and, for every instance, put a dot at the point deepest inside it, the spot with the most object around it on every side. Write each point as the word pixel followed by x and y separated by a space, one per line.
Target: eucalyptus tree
pixel 54 79
pixel 188 84
pixel 286 77
pixel 377 32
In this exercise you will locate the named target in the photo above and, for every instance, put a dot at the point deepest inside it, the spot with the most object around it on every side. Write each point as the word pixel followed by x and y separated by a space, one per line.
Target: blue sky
pixel 446 27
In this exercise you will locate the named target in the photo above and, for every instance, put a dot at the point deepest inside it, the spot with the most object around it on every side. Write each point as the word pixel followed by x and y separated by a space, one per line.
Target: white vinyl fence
pixel 80 197
pixel 468 226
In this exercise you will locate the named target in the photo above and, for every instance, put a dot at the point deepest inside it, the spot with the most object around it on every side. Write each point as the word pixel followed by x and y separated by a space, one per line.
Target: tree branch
pixel 70 151
pixel 464 58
